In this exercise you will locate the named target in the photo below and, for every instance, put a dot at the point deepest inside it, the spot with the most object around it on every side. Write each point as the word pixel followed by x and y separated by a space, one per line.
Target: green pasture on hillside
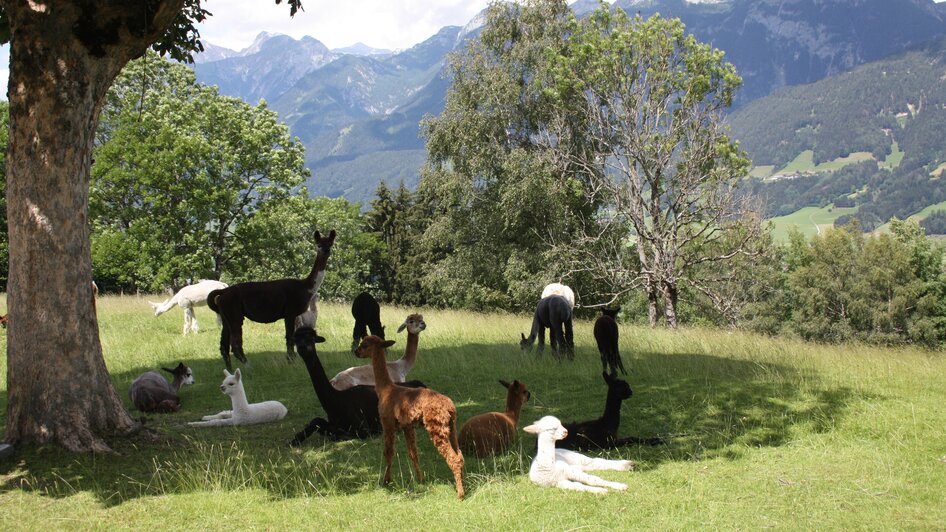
pixel 809 220
pixel 804 162
pixel 763 433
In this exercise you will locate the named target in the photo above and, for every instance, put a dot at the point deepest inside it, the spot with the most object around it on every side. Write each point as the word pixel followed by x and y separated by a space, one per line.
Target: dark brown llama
pixel 267 302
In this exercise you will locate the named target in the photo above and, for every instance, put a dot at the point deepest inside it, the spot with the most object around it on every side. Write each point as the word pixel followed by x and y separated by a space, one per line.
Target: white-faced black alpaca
pixel 194 295
pixel 242 413
pixel 559 289
pixel 565 469
pixel 606 336
pixel 151 393
pixel 553 313
pixel 397 369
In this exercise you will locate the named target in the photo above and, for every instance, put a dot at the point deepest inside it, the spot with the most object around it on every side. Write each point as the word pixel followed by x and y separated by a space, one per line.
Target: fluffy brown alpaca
pixel 403 408
pixel 490 433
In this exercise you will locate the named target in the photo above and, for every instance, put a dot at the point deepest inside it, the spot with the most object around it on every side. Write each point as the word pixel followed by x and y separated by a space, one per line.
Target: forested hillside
pixel 868 115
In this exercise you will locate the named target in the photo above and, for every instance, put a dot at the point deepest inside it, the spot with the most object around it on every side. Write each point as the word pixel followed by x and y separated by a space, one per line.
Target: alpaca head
pixel 525 343
pixel 182 372
pixel 618 386
pixel 372 344
pixel 613 312
pixel 414 324
pixel 548 425
pixel 517 392
pixel 306 339
pixel 324 245
pixel 232 383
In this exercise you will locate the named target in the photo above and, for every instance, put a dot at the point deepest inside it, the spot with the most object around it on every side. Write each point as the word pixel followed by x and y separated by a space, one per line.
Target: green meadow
pixel 809 220
pixel 763 433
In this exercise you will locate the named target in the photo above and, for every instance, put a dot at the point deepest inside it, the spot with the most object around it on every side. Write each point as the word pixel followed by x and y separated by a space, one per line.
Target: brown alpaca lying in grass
pixel 403 408
pixel 489 434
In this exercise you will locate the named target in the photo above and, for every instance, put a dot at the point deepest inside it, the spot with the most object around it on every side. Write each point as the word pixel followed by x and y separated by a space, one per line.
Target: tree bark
pixel 63 57
pixel 670 304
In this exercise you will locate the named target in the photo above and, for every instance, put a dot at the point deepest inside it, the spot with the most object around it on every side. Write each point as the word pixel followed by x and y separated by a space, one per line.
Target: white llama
pixel 243 412
pixel 558 289
pixel 566 469
pixel 187 298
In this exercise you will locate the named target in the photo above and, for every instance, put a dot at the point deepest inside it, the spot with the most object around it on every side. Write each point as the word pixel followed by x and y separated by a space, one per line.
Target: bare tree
pixel 662 165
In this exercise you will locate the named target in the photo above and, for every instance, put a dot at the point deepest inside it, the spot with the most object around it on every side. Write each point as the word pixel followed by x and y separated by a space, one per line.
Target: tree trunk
pixel 653 310
pixel 63 57
pixel 670 304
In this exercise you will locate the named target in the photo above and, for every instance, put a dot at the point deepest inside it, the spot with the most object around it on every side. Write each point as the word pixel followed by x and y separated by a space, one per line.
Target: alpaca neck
pixel 410 352
pixel 382 380
pixel 546 449
pixel 177 383
pixel 612 409
pixel 320 383
pixel 513 408
pixel 238 400
pixel 314 279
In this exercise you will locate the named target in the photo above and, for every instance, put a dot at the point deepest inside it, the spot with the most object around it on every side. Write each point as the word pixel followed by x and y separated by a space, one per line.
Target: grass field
pixel 809 220
pixel 764 433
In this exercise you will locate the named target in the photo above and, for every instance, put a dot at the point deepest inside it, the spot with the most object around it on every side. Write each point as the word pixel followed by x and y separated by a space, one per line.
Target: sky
pixel 390 24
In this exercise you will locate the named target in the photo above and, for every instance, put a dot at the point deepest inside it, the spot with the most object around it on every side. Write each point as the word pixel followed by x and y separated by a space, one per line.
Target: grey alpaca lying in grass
pixel 151 393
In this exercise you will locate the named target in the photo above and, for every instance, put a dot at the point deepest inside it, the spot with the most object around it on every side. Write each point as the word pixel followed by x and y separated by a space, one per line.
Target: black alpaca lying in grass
pixel 602 433
pixel 266 302
pixel 367 314
pixel 351 413
pixel 606 335
pixel 553 313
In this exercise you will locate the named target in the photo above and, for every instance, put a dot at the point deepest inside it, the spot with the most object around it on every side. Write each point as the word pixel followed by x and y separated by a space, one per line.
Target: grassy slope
pixel 765 433
pixel 809 220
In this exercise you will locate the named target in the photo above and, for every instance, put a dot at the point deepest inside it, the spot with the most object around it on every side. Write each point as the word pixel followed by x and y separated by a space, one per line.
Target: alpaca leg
pixel 569 339
pixel 236 341
pixel 389 434
pixel 290 343
pixel 555 334
pixel 576 486
pixel 586 463
pixel 187 323
pixel 580 476
pixel 541 339
pixel 410 439
pixel 445 440
pixel 226 414
pixel 225 345
pixel 212 423
pixel 195 327
pixel 318 424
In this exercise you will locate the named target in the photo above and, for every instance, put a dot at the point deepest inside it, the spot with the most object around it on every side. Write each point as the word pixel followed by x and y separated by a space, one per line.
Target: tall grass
pixel 763 433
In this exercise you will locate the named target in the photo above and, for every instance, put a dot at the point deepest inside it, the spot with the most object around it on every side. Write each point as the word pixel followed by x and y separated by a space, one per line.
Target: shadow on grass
pixel 709 407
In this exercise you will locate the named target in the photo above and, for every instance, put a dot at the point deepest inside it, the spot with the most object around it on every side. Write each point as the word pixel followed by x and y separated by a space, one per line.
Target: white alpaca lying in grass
pixel 566 469
pixel 243 413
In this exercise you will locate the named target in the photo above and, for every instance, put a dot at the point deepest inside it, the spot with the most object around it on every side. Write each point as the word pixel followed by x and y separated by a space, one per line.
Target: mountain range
pixel 357 110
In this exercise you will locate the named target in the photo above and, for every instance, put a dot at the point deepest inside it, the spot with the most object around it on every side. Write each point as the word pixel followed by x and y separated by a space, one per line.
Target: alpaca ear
pixel 227 373
pixel 318 339
pixel 237 374
pixel 532 429
pixel 171 371
pixel 387 343
pixel 523 336
pixel 505 384
pixel 318 236
pixel 331 235
pixel 402 327
pixel 607 376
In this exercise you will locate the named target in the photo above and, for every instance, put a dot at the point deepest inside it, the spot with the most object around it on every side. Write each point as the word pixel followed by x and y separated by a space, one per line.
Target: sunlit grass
pixel 763 433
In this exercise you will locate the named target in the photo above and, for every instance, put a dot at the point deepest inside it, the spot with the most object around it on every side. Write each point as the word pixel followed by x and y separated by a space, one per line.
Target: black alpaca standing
pixel 367 314
pixel 554 313
pixel 602 433
pixel 266 302
pixel 351 413
pixel 606 335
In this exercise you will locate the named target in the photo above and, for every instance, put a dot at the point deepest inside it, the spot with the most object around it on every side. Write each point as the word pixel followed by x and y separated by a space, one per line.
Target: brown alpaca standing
pixel 489 434
pixel 404 408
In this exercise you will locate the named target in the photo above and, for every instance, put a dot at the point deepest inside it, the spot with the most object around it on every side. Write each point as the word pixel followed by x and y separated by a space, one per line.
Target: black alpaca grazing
pixel 602 433
pixel 367 314
pixel 266 302
pixel 606 335
pixel 555 314
pixel 351 413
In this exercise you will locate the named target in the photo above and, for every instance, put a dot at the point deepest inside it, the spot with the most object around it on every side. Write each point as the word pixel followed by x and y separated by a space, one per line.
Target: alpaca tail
pixel 454 439
pixel 212 301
